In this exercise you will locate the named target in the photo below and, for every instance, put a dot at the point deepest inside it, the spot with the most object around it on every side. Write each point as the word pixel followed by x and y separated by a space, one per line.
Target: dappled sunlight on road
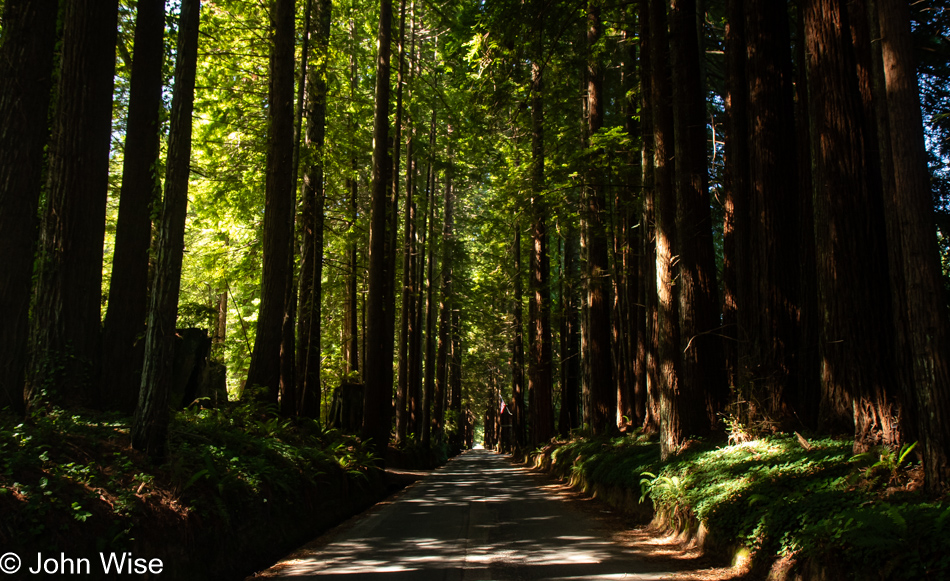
pixel 478 517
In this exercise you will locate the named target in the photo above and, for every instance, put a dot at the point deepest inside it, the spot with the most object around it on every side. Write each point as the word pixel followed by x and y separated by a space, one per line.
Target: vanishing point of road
pixel 478 517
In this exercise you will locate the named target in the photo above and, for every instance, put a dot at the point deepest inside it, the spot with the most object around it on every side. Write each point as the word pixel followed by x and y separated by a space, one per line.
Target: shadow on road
pixel 478 517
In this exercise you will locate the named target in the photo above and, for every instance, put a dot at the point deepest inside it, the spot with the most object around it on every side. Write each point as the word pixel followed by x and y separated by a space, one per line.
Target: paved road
pixel 478 517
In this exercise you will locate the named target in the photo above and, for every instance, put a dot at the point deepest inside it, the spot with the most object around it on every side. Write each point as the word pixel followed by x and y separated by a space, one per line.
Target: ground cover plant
pixel 70 482
pixel 780 497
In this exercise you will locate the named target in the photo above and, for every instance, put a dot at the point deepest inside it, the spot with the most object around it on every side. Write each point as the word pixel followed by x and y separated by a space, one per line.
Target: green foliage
pixel 775 498
pixel 74 474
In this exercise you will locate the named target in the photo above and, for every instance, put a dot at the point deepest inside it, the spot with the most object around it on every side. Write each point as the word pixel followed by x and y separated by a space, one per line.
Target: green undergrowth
pixel 862 516
pixel 71 481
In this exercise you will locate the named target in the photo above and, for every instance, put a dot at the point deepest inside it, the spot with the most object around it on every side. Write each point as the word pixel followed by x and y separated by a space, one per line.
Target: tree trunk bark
pixel 924 310
pixel 773 334
pixel 377 404
pixel 703 379
pixel 539 313
pixel 603 396
pixel 279 197
pixel 26 78
pixel 122 348
pixel 66 313
pixel 150 423
pixel 309 331
pixel 857 373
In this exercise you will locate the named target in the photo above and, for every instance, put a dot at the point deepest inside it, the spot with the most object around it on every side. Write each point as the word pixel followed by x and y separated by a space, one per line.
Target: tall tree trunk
pixel 150 424
pixel 428 385
pixel 279 198
pixel 703 377
pixel 735 229
pixel 122 348
pixel 647 337
pixel 377 405
pixel 539 311
pixel 402 396
pixel 673 430
pixel 629 238
pixel 351 320
pixel 773 333
pixel 309 331
pixel 26 73
pixel 809 367
pixel 445 314
pixel 857 374
pixel 924 309
pixel 603 401
pixel 66 313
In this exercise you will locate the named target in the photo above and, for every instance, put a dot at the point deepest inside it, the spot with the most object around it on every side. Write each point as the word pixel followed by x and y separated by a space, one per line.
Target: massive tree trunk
pixel 924 309
pixel 122 348
pixel 377 404
pixel 309 326
pixel 703 377
pixel 735 228
pixel 772 336
pixel 66 313
pixel 26 70
pixel 603 401
pixel 673 429
pixel 856 328
pixel 150 424
pixel 279 206
pixel 539 311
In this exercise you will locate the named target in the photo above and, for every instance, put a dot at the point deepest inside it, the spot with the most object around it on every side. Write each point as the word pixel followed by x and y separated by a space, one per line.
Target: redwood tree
pixel 66 311
pixel 279 198
pixel 124 325
pixel 150 423
pixel 26 67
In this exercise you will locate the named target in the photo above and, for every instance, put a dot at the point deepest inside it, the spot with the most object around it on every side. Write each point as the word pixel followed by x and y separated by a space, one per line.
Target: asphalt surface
pixel 478 517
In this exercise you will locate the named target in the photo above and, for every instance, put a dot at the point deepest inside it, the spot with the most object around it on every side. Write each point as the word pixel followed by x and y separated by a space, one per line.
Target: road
pixel 478 517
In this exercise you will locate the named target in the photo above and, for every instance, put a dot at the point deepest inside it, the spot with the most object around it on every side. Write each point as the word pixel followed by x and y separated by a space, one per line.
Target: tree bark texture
pixel 378 374
pixel 309 325
pixel 279 200
pixel 539 312
pixel 735 229
pixel 124 325
pixel 771 337
pixel 647 343
pixel 150 423
pixel 853 292
pixel 603 397
pixel 26 78
pixel 66 311
pixel 703 378
pixel 924 309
